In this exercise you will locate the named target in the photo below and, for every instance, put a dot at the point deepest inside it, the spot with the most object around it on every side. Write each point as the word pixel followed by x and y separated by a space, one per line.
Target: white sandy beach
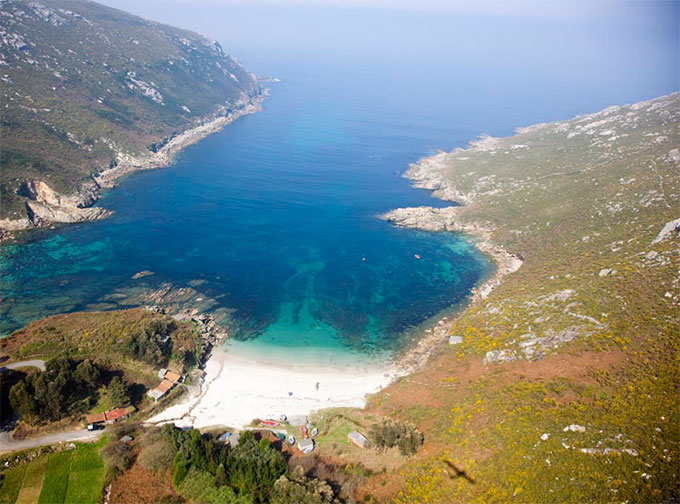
pixel 239 387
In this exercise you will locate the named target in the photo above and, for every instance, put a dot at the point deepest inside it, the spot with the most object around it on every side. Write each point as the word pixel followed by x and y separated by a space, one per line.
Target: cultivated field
pixel 73 476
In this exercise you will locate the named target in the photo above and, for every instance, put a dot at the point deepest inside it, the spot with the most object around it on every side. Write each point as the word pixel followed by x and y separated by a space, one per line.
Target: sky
pixel 630 48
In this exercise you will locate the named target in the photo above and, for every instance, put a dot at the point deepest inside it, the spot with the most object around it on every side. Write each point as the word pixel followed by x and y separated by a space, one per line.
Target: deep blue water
pixel 271 218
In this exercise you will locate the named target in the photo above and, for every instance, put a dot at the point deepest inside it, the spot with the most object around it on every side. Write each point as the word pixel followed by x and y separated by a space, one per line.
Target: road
pixel 9 445
pixel 40 364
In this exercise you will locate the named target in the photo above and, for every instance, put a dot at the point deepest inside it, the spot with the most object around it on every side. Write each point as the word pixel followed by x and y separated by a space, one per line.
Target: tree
pixel 254 467
pixel 88 374
pixel 118 392
pixel 220 475
pixel 21 399
pixel 180 468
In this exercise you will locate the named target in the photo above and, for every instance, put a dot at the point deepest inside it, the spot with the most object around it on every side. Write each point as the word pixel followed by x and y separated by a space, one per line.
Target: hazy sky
pixel 620 51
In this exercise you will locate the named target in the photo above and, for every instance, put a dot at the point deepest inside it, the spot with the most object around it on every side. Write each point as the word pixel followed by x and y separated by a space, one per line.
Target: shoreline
pixel 267 390
pixel 422 174
pixel 47 208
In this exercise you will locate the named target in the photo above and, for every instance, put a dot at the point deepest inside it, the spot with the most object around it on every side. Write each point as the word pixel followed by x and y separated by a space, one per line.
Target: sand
pixel 240 387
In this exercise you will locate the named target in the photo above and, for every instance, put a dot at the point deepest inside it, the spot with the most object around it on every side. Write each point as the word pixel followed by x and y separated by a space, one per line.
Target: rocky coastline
pixel 426 174
pixel 46 207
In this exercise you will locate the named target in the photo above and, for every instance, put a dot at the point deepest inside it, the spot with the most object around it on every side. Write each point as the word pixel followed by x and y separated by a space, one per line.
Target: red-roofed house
pixel 108 417
pixel 161 390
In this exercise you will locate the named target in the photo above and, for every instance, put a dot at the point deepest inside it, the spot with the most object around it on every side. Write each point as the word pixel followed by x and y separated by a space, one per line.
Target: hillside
pixel 86 88
pixel 565 384
pixel 102 336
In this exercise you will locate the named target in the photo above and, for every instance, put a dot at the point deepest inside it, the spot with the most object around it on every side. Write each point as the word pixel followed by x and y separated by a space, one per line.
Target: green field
pixel 75 476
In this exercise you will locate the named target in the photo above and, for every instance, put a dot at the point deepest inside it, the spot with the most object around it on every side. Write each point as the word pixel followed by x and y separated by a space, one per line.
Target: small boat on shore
pixel 270 423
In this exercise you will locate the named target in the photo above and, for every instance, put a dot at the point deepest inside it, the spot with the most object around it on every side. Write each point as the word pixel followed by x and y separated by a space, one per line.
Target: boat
pixel 315 432
pixel 270 423
pixel 291 439
pixel 305 432
pixel 417 256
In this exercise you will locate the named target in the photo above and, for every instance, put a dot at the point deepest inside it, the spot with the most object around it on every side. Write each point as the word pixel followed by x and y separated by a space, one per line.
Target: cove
pixel 274 220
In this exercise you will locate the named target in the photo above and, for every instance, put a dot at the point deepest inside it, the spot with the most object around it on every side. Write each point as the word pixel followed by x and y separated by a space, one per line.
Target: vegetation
pixel 388 434
pixel 102 336
pixel 249 470
pixel 74 476
pixel 150 344
pixel 117 457
pixel 86 85
pixel 10 483
pixel 63 389
pixel 298 488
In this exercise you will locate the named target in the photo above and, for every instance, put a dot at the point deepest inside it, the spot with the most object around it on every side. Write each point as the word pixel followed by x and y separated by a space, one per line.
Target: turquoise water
pixel 272 222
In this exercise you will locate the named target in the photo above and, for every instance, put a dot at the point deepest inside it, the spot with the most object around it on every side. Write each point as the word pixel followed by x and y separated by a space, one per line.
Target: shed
pixel 357 438
pixel 161 373
pixel 306 445
pixel 455 340
pixel 126 439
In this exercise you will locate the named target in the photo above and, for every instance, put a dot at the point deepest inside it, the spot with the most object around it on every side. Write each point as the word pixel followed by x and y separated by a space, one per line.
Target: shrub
pixel 180 468
pixel 156 456
pixel 298 488
pixel 117 458
pixel 389 434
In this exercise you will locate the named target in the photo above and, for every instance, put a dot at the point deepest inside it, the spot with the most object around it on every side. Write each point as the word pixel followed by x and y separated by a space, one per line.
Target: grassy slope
pixel 70 82
pixel 33 480
pixel 573 198
pixel 95 335
pixel 73 476
pixel 11 483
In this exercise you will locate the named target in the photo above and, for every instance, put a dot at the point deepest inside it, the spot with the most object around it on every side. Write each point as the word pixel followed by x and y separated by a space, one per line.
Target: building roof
pixel 155 394
pixel 357 438
pixel 95 418
pixel 115 414
pixel 173 377
pixel 164 386
pixel 108 416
